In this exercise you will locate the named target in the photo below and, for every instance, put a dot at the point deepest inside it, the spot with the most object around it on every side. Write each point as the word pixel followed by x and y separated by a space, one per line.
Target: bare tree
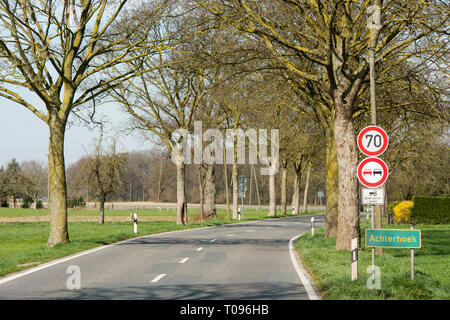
pixel 323 47
pixel 59 51
pixel 102 171
pixel 34 180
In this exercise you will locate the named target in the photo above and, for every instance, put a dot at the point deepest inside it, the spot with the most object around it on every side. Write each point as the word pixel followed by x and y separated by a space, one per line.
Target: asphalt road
pixel 246 261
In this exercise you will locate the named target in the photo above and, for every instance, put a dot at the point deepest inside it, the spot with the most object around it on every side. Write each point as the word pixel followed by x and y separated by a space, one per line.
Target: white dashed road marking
pixel 157 278
pixel 184 260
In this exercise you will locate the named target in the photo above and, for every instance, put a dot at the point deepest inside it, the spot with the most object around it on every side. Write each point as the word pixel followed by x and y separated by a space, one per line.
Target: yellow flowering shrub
pixel 402 212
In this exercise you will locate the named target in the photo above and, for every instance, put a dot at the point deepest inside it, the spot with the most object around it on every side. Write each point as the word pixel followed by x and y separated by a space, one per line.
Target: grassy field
pixel 23 243
pixel 331 269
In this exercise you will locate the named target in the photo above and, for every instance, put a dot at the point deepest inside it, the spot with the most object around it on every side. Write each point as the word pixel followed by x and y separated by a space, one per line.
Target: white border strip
pixel 23 273
pixel 312 295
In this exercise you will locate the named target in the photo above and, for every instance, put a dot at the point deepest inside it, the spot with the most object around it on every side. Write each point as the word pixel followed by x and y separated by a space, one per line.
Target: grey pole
pixel 373 249
pixel 412 260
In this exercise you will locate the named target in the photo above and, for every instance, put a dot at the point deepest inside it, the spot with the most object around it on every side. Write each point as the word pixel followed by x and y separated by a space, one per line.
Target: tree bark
pixel 305 193
pixel 348 207
pixel 235 185
pixel 101 218
pixel 296 195
pixel 201 191
pixel 210 192
pixel 57 182
pixel 331 218
pixel 256 186
pixel 160 178
pixel 272 196
pixel 227 197
pixel 283 189
pixel 181 194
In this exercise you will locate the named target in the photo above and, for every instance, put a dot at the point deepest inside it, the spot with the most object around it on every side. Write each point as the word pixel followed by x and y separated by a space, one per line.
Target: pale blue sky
pixel 24 137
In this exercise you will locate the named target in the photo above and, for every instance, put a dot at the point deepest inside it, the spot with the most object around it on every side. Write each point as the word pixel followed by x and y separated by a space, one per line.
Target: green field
pixel 332 272
pixel 23 244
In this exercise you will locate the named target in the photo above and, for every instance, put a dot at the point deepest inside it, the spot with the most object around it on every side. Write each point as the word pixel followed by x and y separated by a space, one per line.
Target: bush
pixel 76 203
pixel 39 205
pixel 402 212
pixel 431 210
pixel 391 207
pixel 5 204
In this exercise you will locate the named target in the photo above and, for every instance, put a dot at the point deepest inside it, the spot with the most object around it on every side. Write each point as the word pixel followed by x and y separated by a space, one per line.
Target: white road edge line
pixel 212 240
pixel 157 278
pixel 184 260
pixel 20 274
pixel 312 295
pixel 230 235
pixel 52 263
pixel 199 249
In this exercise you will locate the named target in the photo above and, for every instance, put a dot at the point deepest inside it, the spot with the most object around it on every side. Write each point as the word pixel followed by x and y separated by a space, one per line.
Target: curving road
pixel 248 261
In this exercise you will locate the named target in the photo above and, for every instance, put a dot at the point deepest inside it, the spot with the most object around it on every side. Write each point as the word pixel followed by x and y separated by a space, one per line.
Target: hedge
pixel 430 210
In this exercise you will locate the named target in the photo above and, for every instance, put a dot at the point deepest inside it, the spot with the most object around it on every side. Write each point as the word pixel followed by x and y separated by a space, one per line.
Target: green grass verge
pixel 331 269
pixel 192 212
pixel 25 242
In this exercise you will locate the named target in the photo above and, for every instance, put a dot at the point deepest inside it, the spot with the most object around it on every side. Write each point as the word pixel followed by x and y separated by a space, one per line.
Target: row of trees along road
pixel 167 62
pixel 27 180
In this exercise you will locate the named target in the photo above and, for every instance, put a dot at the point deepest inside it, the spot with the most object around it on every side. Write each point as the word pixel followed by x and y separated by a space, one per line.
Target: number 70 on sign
pixel 372 141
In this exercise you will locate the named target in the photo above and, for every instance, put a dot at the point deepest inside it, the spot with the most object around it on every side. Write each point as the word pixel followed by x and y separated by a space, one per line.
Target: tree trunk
pixel 181 194
pixel 227 197
pixel 57 183
pixel 305 193
pixel 160 178
pixel 257 187
pixel 210 192
pixel 331 218
pixel 201 191
pixel 348 208
pixel 296 195
pixel 283 189
pixel 235 185
pixel 101 218
pixel 272 196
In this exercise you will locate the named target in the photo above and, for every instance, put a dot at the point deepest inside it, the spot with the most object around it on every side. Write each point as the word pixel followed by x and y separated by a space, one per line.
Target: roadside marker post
pixel 312 226
pixel 239 213
pixel 134 218
pixel 354 252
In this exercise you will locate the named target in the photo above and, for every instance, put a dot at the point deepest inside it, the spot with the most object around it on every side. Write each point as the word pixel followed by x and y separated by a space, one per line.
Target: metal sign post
pixel 242 188
pixel 412 260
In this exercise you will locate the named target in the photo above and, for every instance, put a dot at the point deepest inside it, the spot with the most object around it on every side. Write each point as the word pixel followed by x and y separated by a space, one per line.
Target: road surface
pixel 250 260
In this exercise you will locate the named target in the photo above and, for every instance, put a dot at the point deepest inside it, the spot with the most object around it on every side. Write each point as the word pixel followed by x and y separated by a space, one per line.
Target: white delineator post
pixel 312 226
pixel 134 218
pixel 354 247
pixel 239 213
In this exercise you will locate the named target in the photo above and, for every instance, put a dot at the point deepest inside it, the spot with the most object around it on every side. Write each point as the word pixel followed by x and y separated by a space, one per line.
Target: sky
pixel 24 136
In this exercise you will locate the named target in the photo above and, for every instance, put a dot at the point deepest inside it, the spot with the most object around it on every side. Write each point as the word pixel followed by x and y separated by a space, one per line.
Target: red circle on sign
pixel 362 172
pixel 364 149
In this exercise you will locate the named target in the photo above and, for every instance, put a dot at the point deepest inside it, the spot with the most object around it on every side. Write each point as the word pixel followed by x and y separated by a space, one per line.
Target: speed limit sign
pixel 372 141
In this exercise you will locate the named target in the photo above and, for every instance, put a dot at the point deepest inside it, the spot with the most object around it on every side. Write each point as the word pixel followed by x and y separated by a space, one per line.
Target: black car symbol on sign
pixel 377 172
pixel 373 193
